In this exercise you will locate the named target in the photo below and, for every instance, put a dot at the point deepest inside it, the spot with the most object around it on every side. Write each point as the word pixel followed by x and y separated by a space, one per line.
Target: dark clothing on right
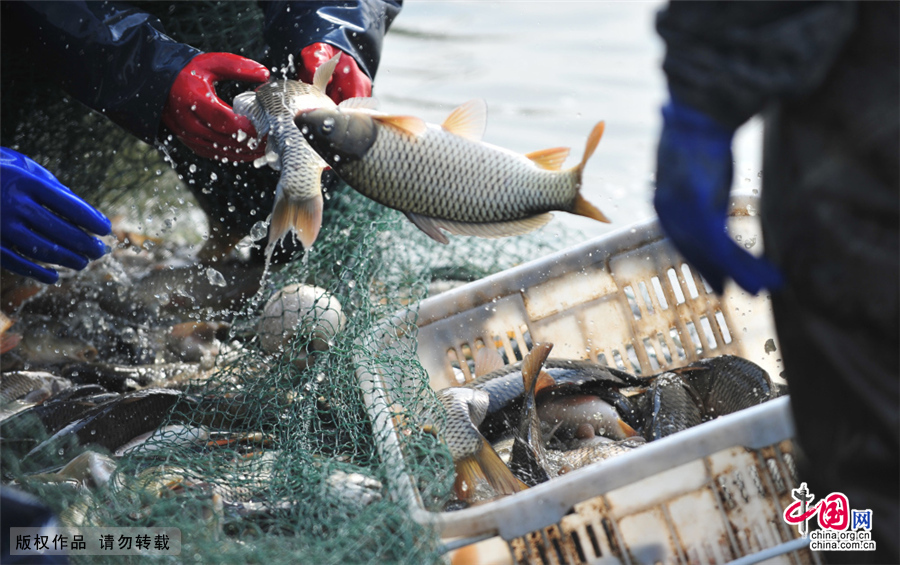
pixel 827 77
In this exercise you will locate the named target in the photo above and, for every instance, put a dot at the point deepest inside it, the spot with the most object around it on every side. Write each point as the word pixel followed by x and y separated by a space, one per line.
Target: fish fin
pixel 8 342
pixel 485 466
pixel 628 430
pixel 407 124
pixel 359 103
pixel 468 120
pixel 592 142
pixel 323 73
pixel 585 208
pixel 303 216
pixel 533 364
pixel 549 159
pixel 544 381
pixel 495 229
pixel 428 226
pixel 581 206
pixel 487 360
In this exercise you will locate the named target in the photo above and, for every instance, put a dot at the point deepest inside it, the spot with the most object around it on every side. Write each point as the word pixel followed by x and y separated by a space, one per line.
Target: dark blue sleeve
pixel 357 28
pixel 111 57
pixel 731 59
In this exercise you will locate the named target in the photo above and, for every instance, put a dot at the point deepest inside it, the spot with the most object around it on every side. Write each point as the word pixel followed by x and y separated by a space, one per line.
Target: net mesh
pixel 269 454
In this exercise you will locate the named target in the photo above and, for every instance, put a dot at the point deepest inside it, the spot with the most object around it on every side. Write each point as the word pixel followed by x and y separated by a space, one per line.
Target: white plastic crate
pixel 711 494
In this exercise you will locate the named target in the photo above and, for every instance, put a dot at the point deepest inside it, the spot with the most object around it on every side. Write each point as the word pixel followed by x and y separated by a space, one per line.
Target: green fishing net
pixel 270 455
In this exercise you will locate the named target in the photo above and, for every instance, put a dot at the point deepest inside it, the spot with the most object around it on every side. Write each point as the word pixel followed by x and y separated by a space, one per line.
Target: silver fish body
pixel 598 450
pixel 444 177
pixel 465 410
pixel 271 109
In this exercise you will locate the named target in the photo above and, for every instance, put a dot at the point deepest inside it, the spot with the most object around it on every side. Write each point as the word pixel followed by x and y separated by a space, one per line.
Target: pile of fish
pixel 519 425
pixel 131 358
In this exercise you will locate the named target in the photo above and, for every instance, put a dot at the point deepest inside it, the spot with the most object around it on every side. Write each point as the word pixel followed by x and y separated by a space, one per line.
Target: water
pixel 549 71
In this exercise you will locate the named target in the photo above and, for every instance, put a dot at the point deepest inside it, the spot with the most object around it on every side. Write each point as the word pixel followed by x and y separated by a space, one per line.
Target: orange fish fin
pixel 485 467
pixel 549 159
pixel 323 73
pixel 5 322
pixel 533 363
pixel 407 124
pixel 544 381
pixel 487 360
pixel 592 142
pixel 585 208
pixel 495 229
pixel 303 216
pixel 628 430
pixel 468 120
pixel 428 226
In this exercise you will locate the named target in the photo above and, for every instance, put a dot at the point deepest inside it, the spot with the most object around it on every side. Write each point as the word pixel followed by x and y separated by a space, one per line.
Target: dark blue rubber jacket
pixel 117 59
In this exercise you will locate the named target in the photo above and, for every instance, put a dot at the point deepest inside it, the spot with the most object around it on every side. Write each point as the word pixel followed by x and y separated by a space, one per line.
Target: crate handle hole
pixel 708 331
pixel 629 295
pixel 676 286
pixel 723 327
pixel 645 294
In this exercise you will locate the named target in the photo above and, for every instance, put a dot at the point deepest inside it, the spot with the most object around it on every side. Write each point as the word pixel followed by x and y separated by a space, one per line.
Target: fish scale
pixel 445 190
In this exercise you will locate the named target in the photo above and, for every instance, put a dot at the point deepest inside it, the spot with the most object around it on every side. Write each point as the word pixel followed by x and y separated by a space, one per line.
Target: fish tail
pixel 533 363
pixel 302 216
pixel 581 206
pixel 485 466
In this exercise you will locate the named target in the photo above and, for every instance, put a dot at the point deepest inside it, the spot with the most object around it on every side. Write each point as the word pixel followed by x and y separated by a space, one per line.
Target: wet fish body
pixel 506 391
pixel 271 109
pixel 672 406
pixel 18 384
pixel 594 451
pixel 113 423
pixel 528 460
pixel 478 468
pixel 444 177
pixel 727 383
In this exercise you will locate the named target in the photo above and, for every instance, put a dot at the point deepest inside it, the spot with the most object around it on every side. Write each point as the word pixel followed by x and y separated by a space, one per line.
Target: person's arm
pixel 313 32
pixel 117 60
pixel 113 58
pixel 730 59
pixel 42 220
pixel 725 62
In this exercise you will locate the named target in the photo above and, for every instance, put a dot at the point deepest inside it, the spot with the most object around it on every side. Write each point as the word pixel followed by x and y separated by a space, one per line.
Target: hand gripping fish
pixel 271 109
pixel 445 177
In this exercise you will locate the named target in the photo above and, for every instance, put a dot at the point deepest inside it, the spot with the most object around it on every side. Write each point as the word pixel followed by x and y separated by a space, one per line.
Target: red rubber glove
pixel 200 119
pixel 348 80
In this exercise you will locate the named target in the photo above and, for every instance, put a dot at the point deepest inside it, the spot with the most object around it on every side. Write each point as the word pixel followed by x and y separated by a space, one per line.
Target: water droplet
pixel 258 231
pixel 241 135
pixel 193 168
pixel 213 176
pixel 215 277
pixel 337 158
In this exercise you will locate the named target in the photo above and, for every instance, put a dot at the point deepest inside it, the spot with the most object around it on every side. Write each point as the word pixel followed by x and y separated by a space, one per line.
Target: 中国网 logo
pixel 841 528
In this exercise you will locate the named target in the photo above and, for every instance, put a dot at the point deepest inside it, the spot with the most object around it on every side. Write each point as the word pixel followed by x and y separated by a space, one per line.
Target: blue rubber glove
pixel 42 220
pixel 693 180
